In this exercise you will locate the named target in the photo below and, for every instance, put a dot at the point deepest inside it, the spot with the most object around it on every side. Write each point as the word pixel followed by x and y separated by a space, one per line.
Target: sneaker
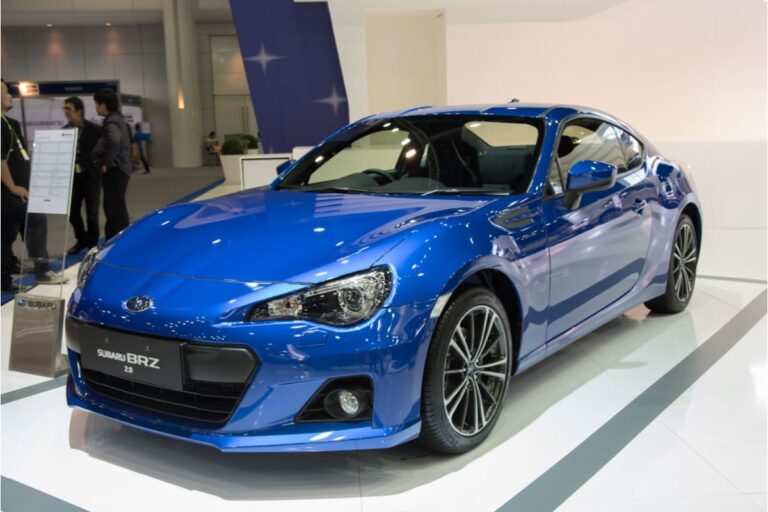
pixel 51 277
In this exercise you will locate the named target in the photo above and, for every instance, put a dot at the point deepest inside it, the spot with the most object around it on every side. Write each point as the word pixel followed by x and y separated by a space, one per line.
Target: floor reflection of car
pixel 386 286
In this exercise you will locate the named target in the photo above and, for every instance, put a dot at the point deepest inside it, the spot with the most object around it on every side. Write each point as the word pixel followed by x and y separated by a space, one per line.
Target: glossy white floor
pixel 704 452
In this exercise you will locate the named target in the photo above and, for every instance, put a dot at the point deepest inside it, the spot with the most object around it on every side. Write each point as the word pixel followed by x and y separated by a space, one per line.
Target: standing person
pixel 86 185
pixel 112 156
pixel 16 172
pixel 139 138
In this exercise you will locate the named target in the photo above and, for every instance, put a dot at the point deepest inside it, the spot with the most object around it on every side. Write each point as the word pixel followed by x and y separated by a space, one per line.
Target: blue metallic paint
pixel 571 271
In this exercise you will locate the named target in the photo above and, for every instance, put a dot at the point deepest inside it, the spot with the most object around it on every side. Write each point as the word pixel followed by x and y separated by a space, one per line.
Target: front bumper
pixel 390 349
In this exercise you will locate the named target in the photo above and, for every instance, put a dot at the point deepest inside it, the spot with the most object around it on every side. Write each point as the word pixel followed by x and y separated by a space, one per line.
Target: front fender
pixel 438 257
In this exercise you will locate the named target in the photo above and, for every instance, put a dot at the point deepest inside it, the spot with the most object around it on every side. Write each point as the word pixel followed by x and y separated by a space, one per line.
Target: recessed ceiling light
pixel 109 24
pixel 49 25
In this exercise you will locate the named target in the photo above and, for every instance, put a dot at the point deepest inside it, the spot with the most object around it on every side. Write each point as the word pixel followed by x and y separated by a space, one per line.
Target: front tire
pixel 681 276
pixel 467 373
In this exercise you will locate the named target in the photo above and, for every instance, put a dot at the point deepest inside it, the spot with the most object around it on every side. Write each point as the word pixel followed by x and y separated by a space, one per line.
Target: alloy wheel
pixel 684 262
pixel 475 371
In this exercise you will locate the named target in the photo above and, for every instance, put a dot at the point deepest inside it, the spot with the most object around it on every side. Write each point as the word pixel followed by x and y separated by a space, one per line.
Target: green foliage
pixel 253 142
pixel 234 146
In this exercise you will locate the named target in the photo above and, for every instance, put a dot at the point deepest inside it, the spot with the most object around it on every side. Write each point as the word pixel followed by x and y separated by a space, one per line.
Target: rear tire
pixel 681 276
pixel 466 374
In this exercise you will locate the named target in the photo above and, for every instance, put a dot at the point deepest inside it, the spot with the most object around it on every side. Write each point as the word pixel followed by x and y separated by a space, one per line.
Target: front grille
pixel 214 378
pixel 201 401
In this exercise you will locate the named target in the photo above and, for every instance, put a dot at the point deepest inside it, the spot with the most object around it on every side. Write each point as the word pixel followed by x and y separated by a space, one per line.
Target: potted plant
pixel 252 142
pixel 231 151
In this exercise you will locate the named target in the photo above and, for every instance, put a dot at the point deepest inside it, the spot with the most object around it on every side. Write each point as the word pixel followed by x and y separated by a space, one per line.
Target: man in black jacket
pixel 16 173
pixel 86 185
pixel 112 156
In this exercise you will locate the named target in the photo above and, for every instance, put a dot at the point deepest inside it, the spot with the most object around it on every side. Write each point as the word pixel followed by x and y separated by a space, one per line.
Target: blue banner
pixel 293 71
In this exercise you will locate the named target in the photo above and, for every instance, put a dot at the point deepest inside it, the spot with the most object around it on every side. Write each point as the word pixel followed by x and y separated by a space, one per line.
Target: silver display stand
pixel 38 319
pixel 37 334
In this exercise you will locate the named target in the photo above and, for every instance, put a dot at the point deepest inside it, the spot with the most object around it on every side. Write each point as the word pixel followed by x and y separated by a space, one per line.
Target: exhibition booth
pixel 431 255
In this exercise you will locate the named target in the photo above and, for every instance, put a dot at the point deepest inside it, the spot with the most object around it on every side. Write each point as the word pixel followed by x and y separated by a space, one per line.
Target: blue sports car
pixel 386 286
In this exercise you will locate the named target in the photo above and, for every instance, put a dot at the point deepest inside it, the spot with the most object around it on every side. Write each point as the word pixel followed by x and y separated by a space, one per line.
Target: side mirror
pixel 283 166
pixel 588 176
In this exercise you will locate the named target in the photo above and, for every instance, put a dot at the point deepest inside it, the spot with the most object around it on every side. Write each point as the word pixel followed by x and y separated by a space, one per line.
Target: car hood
pixel 276 236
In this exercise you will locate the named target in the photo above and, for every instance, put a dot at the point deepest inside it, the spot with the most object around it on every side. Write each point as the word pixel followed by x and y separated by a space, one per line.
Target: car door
pixel 597 251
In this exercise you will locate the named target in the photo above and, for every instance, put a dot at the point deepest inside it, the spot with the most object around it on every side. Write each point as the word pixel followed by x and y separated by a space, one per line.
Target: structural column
pixel 183 83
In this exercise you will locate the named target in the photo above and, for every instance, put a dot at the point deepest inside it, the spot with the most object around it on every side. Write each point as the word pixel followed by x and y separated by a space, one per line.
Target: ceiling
pixel 127 12
pixel 478 11
pixel 19 13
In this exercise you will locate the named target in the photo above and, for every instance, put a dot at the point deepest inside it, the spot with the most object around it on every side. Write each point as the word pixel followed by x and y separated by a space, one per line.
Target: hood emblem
pixel 138 304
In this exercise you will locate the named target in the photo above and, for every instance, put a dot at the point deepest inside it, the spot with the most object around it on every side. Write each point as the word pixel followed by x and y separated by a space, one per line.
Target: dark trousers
pixel 115 184
pixel 14 217
pixel 143 159
pixel 85 189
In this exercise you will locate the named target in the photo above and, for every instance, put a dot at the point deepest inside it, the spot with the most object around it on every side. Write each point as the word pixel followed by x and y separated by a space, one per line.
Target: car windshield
pixel 445 154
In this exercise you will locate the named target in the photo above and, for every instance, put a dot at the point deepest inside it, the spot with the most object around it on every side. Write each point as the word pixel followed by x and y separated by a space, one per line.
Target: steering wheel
pixel 378 172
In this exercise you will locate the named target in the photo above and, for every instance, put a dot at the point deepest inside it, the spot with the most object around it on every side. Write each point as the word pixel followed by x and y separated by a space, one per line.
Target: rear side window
pixel 590 139
pixel 633 150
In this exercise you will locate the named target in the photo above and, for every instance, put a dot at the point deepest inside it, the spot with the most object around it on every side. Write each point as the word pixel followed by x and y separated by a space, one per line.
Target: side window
pixel 633 150
pixel 590 139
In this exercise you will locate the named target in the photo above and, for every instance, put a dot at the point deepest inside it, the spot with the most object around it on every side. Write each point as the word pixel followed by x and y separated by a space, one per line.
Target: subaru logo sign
pixel 138 304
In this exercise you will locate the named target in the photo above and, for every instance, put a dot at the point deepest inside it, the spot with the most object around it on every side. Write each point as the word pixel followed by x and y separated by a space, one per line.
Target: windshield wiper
pixel 465 191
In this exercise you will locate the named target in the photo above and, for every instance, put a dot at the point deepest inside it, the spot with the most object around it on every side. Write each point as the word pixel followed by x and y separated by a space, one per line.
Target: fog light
pixel 345 404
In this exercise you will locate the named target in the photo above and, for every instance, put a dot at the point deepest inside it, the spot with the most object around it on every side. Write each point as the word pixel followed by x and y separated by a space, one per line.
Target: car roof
pixel 515 109
pixel 512 109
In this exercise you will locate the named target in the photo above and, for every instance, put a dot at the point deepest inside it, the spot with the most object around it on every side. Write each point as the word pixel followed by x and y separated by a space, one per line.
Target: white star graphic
pixel 333 100
pixel 263 58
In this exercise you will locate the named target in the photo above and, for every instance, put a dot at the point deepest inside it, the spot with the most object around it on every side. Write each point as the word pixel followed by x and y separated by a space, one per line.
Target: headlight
pixel 86 266
pixel 344 301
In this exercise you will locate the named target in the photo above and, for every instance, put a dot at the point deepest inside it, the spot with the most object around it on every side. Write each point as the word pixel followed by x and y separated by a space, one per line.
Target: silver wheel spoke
pixel 455 391
pixel 494 375
pixel 480 408
pixel 487 392
pixel 463 341
pixel 491 365
pixel 490 347
pixel 475 412
pixel 457 349
pixel 485 333
pixel 463 391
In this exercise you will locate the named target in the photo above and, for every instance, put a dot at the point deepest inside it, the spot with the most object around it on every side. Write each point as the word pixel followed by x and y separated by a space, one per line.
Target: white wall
pixel 406 58
pixel 688 74
pixel 133 54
